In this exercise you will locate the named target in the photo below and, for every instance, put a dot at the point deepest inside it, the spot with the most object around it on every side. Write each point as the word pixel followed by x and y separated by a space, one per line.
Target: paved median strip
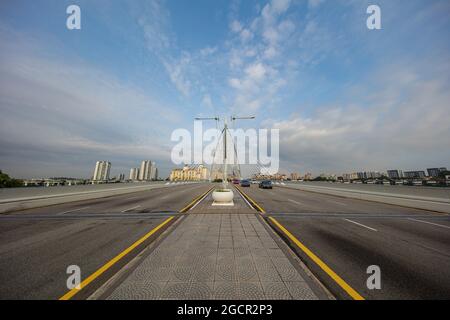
pixel 113 261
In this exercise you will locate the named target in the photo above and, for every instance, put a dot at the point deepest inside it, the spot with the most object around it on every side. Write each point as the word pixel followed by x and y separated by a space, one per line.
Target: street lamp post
pixel 224 196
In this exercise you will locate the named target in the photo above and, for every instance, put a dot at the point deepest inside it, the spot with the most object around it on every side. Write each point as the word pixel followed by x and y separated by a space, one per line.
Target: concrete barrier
pixel 405 200
pixel 23 202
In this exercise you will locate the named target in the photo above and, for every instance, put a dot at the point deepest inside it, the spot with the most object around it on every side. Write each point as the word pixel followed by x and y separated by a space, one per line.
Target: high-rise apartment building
pixel 435 172
pixel 102 170
pixel 153 172
pixel 415 174
pixel 134 174
pixel 394 174
pixel 147 171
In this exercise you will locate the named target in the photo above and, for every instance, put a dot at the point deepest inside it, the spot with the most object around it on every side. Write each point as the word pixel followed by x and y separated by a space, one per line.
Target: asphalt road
pixel 411 247
pixel 37 245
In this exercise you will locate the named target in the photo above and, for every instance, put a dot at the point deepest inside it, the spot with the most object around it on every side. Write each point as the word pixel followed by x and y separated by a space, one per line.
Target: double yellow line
pixel 252 202
pixel 194 202
pixel 333 275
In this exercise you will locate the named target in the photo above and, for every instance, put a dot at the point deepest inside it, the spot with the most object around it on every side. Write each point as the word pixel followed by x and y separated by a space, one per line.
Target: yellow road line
pixel 113 261
pixel 192 203
pixel 344 285
pixel 253 202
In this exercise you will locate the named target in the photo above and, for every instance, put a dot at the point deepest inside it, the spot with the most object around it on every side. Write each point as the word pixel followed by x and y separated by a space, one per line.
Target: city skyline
pixel 343 96
pixel 134 172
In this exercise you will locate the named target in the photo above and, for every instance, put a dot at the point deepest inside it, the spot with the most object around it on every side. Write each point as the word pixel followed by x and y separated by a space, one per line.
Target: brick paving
pixel 216 256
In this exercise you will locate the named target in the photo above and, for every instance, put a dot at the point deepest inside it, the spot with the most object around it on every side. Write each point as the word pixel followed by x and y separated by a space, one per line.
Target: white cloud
pixel 208 51
pixel 235 26
pixel 394 129
pixel 256 59
pixel 246 35
pixel 176 71
pixel 280 6
pixel 314 3
pixel 235 83
pixel 271 35
pixel 256 72
pixel 61 123
pixel 270 53
pixel 207 101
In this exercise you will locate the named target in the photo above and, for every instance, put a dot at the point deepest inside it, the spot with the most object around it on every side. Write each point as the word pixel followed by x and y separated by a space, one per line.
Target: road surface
pixel 411 247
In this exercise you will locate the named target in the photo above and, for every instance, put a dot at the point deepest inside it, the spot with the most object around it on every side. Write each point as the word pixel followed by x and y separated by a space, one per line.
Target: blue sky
pixel 344 97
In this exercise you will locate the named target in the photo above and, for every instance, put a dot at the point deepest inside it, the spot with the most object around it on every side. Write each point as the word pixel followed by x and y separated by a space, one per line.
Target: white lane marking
pixel 296 202
pixel 200 200
pixel 336 202
pixel 72 210
pixel 361 225
pixel 130 209
pixel 165 197
pixel 434 224
pixel 134 198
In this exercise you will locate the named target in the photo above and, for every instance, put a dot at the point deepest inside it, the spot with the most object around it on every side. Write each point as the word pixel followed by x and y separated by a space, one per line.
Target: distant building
pixel 373 175
pixel 190 174
pixel 308 176
pixel 102 170
pixel 134 174
pixel 394 174
pixel 414 174
pixel 354 176
pixel 435 172
pixel 295 176
pixel 147 171
pixel 154 172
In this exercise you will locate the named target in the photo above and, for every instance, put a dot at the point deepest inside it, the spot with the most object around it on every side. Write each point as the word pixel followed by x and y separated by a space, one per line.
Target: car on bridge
pixel 245 183
pixel 266 184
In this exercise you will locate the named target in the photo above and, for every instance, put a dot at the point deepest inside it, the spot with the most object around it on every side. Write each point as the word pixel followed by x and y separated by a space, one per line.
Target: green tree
pixel 7 182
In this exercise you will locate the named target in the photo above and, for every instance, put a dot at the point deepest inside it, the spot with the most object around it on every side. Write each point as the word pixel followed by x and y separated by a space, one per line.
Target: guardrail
pixel 405 200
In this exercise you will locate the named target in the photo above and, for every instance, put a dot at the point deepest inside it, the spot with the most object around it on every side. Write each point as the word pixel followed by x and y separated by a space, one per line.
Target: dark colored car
pixel 236 181
pixel 266 184
pixel 245 183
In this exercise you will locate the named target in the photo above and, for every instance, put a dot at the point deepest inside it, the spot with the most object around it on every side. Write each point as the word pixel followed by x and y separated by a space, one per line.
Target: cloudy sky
pixel 345 98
